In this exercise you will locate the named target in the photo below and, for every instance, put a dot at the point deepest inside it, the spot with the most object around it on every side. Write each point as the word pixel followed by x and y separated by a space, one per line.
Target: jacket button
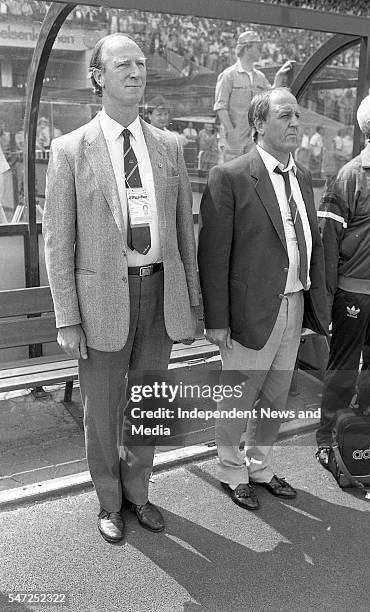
pixel 124 253
pixel 124 279
pixel 286 269
pixel 281 296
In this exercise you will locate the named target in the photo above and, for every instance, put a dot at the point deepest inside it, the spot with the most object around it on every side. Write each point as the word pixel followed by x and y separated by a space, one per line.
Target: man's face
pixel 254 51
pixel 278 135
pixel 159 117
pixel 123 76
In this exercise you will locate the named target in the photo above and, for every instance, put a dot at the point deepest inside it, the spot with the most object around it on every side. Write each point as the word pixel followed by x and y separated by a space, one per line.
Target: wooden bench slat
pixel 11 384
pixel 18 329
pixel 31 368
pixel 20 363
pixel 33 300
pixel 22 332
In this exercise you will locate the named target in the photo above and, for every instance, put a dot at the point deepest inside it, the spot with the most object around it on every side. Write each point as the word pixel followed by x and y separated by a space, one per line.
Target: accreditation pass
pixel 139 206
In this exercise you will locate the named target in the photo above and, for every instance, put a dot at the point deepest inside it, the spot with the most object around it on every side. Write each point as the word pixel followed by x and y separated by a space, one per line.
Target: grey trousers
pixel 103 391
pixel 267 375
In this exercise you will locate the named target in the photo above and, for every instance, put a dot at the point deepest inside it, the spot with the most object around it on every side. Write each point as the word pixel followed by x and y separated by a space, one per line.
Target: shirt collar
pixel 240 68
pixel 271 162
pixel 114 129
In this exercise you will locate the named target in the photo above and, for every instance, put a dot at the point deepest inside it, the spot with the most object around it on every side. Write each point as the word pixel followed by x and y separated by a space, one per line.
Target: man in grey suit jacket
pixel 261 276
pixel 124 284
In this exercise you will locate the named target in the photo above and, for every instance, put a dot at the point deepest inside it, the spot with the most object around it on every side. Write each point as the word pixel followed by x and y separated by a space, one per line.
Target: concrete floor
pixel 307 555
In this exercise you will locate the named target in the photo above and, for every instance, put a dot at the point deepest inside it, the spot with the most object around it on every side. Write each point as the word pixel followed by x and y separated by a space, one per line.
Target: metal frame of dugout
pixel 347 30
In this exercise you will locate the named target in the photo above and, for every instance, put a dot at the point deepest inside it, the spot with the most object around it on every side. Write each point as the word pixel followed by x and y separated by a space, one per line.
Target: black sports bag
pixel 349 458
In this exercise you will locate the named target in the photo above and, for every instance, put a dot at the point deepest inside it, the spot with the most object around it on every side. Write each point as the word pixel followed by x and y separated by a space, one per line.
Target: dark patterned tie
pixel 298 226
pixel 138 238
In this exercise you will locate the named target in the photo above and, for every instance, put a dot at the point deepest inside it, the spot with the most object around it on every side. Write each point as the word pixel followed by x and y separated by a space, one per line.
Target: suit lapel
pixel 98 157
pixel 266 193
pixel 158 156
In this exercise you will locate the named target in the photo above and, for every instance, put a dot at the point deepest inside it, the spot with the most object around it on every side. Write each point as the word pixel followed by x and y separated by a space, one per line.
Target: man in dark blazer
pixel 121 295
pixel 262 277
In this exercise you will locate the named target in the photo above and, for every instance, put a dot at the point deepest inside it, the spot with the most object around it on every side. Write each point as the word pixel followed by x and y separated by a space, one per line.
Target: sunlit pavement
pixel 309 554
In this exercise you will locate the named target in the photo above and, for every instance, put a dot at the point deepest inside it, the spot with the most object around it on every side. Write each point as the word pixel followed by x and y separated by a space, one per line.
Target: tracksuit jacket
pixel 344 219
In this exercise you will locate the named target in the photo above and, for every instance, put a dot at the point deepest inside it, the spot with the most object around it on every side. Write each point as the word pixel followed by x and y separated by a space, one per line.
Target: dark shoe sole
pixel 158 530
pixel 235 500
pixel 291 495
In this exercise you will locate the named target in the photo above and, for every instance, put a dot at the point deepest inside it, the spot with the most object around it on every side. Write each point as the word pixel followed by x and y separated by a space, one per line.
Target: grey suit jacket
pixel 85 237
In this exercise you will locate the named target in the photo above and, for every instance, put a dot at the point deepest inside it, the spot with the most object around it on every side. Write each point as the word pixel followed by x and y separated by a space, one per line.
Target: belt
pixel 145 270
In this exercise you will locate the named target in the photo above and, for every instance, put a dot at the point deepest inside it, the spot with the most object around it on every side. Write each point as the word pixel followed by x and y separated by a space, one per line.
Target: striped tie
pixel 298 226
pixel 138 238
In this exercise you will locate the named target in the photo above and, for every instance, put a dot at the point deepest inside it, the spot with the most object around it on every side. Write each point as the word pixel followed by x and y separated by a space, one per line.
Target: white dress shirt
pixel 113 135
pixel 293 283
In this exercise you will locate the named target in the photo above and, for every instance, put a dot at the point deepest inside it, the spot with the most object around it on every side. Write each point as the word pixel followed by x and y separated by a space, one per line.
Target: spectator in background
pixel 302 153
pixel 158 112
pixel 347 144
pixel 158 116
pixel 4 138
pixel 316 147
pixel 45 134
pixel 235 89
pixel 339 158
pixel 346 206
pixel 4 170
pixel 214 49
pixel 191 133
pixel 208 148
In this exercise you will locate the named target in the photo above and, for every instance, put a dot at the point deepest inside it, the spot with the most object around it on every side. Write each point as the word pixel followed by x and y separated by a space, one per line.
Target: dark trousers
pixel 116 474
pixel 350 337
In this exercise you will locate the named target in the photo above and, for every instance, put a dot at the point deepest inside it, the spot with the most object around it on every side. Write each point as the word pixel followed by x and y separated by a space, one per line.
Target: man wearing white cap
pixel 345 223
pixel 235 89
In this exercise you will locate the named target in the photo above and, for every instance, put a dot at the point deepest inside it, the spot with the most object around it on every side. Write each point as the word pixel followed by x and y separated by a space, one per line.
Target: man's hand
pixel 72 340
pixel 221 337
pixel 282 72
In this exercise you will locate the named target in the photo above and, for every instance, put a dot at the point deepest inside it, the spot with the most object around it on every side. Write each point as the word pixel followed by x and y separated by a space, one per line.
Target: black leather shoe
pixel 322 455
pixel 279 487
pixel 244 495
pixel 149 516
pixel 111 526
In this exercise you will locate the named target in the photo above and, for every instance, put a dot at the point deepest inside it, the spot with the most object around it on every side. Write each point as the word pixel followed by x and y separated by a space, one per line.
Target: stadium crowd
pixel 361 7
pixel 201 42
pixel 207 42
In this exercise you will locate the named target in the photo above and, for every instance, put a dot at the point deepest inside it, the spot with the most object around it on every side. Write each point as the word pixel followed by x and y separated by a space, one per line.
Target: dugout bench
pixel 27 319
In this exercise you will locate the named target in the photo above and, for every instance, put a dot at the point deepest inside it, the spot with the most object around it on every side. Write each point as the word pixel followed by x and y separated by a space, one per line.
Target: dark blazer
pixel 242 255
